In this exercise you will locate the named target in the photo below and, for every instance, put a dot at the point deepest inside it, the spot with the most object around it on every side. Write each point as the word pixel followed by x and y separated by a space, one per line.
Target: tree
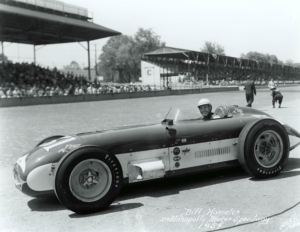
pixel 213 48
pixel 143 41
pixel 260 57
pixel 73 66
pixel 296 65
pixel 291 63
pixel 113 57
pixel 122 54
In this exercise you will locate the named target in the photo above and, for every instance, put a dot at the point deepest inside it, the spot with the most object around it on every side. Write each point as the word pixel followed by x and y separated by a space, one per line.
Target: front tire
pixel 263 148
pixel 88 180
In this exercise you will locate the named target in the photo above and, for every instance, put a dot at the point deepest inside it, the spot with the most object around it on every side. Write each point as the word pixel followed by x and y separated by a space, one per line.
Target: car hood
pixel 117 140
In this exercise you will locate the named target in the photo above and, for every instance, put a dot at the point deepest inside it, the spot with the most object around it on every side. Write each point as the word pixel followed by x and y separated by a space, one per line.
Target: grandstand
pixel 174 62
pixel 43 22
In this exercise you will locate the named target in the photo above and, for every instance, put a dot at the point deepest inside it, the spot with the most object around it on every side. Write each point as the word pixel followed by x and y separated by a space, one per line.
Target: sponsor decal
pixel 177 164
pixel 69 147
pixel 56 142
pixel 22 162
pixel 176 151
pixel 269 171
pixel 186 150
pixel 177 158
pixel 114 169
pixel 177 141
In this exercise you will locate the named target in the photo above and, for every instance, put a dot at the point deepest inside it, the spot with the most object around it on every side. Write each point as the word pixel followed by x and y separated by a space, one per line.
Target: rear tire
pixel 88 180
pixel 263 148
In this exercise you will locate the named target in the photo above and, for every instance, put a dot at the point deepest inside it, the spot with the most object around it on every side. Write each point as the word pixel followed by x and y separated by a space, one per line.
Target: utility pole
pixel 89 63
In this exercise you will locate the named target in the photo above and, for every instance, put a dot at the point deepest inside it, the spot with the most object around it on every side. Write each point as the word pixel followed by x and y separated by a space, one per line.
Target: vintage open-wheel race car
pixel 86 171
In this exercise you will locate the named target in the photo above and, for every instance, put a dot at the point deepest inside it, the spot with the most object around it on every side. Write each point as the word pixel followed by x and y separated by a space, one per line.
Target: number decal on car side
pixel 56 142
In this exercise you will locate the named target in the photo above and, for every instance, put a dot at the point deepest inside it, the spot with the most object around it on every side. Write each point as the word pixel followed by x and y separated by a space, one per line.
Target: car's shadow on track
pixel 293 163
pixel 45 204
pixel 53 204
pixel 175 185
pixel 116 207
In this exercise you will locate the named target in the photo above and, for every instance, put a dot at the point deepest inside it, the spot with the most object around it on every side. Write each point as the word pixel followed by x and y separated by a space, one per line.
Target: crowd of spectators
pixel 219 74
pixel 30 80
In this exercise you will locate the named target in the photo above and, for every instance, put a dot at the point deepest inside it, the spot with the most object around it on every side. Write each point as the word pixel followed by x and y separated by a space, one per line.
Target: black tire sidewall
pixel 249 157
pixel 65 168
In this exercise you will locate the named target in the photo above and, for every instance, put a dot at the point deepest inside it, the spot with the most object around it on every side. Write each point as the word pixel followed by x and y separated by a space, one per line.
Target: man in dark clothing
pixel 276 96
pixel 250 91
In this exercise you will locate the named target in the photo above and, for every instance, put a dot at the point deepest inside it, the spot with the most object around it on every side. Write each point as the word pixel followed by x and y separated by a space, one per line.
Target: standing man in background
pixel 250 91
pixel 271 84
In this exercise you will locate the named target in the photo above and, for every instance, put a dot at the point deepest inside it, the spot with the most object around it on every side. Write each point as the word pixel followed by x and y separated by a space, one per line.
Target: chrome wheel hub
pixel 90 180
pixel 268 148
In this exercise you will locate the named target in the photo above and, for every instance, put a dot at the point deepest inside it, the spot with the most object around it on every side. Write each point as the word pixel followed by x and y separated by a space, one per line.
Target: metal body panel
pixel 143 157
pixel 189 156
pixel 142 170
pixel 41 178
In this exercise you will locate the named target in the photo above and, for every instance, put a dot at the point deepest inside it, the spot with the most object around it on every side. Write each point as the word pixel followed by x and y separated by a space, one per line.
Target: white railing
pixel 58 6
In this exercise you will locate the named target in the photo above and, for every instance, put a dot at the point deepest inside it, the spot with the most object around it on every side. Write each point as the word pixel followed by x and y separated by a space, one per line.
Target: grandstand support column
pixel 2 50
pixel 96 61
pixel 167 78
pixel 189 64
pixel 34 54
pixel 89 62
pixel 207 84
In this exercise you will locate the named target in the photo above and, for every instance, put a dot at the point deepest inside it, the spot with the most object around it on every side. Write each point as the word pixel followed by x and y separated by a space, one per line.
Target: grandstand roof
pixel 185 54
pixel 169 52
pixel 20 25
pixel 195 56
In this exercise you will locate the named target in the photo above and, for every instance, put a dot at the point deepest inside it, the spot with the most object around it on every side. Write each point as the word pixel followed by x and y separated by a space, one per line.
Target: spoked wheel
pixel 88 180
pixel 263 148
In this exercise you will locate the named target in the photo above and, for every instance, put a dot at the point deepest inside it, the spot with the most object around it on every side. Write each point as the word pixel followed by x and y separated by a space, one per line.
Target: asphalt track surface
pixel 220 201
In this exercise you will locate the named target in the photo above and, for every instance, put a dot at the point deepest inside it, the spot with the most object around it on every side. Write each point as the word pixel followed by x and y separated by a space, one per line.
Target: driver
pixel 205 108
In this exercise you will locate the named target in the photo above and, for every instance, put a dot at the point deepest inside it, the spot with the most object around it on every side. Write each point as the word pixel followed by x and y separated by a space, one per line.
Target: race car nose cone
pixel 294 142
pixel 294 136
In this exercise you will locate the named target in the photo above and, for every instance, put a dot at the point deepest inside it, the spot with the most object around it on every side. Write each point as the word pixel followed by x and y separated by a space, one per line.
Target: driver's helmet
pixel 204 101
